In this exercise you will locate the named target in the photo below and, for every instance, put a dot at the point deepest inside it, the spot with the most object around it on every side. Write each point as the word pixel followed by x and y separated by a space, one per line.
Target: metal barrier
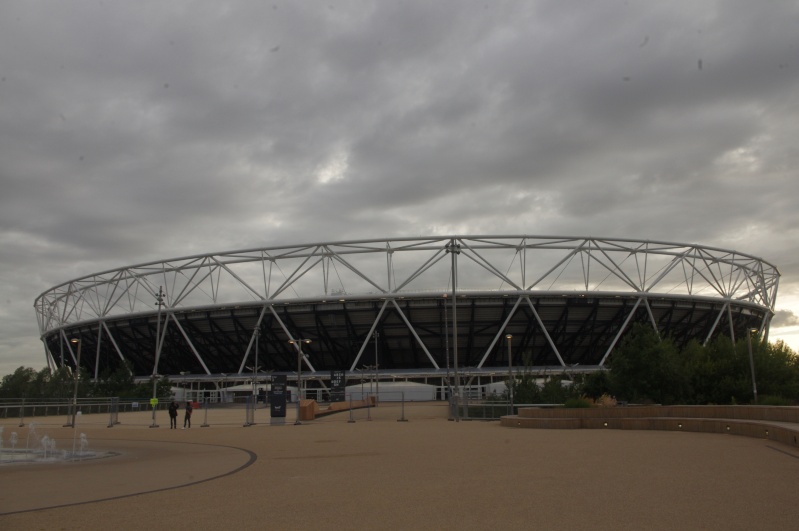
pixel 247 411
pixel 24 408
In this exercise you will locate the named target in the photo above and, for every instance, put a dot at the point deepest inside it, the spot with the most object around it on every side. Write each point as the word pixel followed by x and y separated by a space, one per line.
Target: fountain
pixel 43 449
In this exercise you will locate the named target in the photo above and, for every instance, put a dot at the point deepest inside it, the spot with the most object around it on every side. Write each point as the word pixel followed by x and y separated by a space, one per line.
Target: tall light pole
pixel 509 337
pixel 78 342
pixel 377 370
pixel 298 343
pixel 455 249
pixel 257 334
pixel 446 345
pixel 159 301
pixel 749 332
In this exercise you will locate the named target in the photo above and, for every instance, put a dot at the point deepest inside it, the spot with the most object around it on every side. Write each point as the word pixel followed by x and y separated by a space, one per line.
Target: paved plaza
pixel 426 473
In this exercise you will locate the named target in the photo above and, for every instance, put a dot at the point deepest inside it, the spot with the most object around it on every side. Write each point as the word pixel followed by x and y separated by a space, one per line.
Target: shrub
pixel 577 403
pixel 771 400
pixel 605 401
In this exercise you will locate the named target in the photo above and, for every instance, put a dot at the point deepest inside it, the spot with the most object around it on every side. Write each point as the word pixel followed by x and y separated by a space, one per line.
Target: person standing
pixel 187 416
pixel 173 415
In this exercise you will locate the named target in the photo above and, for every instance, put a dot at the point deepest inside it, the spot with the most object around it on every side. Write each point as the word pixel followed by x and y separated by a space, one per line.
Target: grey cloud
pixel 785 318
pixel 131 132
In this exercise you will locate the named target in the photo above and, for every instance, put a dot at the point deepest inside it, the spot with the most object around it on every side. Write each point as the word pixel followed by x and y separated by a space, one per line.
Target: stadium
pixel 403 309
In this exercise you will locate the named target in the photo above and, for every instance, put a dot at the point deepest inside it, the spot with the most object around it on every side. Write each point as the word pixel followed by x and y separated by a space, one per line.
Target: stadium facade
pixel 418 308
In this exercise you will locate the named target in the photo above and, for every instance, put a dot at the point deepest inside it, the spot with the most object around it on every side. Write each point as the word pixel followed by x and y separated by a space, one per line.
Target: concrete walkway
pixel 427 473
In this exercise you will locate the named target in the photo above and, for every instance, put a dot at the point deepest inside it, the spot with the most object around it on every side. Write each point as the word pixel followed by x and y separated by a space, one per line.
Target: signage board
pixel 277 402
pixel 338 383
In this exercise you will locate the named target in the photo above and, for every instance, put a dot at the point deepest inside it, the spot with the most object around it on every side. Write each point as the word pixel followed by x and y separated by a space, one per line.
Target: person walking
pixel 173 415
pixel 187 416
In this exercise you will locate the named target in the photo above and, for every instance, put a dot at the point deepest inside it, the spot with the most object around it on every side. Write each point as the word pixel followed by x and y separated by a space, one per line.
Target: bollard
pixel 369 407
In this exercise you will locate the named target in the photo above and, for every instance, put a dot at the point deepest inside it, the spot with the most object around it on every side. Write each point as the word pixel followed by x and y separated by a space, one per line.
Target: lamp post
pixel 455 249
pixel 446 349
pixel 749 332
pixel 78 342
pixel 255 367
pixel 298 343
pixel 377 369
pixel 509 337
pixel 159 301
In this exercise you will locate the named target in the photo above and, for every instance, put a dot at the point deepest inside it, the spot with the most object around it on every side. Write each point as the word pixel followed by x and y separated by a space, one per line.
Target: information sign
pixel 277 402
pixel 337 386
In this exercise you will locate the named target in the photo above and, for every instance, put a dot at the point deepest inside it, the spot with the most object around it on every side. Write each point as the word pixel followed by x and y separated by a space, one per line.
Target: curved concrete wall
pixel 779 424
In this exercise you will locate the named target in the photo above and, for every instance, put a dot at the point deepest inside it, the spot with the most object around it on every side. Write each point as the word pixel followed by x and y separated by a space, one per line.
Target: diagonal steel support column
pixel 186 337
pixel 545 332
pixel 621 331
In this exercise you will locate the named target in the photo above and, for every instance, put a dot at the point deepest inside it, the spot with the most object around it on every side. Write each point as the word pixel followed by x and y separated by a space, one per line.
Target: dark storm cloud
pixel 138 131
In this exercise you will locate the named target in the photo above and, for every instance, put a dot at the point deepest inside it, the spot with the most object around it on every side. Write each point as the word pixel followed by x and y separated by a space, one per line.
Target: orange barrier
pixel 310 412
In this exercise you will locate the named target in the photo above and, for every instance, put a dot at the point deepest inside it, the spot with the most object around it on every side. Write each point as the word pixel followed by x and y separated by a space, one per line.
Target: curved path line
pixel 252 457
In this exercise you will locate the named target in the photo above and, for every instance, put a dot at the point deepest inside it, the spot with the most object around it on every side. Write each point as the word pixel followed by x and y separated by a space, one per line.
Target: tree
pixel 719 372
pixel 525 389
pixel 555 392
pixel 55 384
pixel 19 384
pixel 646 368
pixel 776 370
pixel 27 383
pixel 596 384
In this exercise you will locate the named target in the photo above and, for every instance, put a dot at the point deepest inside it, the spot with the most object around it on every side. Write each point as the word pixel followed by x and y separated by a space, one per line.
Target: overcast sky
pixel 134 131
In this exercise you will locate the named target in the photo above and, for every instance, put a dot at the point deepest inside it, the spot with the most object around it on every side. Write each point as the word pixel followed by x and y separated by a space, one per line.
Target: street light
pixel 298 343
pixel 159 301
pixel 446 349
pixel 255 367
pixel 78 342
pixel 749 332
pixel 455 249
pixel 509 337
pixel 377 368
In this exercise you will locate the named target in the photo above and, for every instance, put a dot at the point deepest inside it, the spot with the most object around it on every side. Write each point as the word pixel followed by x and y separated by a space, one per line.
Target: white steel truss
pixel 393 269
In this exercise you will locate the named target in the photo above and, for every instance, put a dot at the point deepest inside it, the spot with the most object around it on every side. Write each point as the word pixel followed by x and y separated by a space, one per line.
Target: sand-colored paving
pixel 427 473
